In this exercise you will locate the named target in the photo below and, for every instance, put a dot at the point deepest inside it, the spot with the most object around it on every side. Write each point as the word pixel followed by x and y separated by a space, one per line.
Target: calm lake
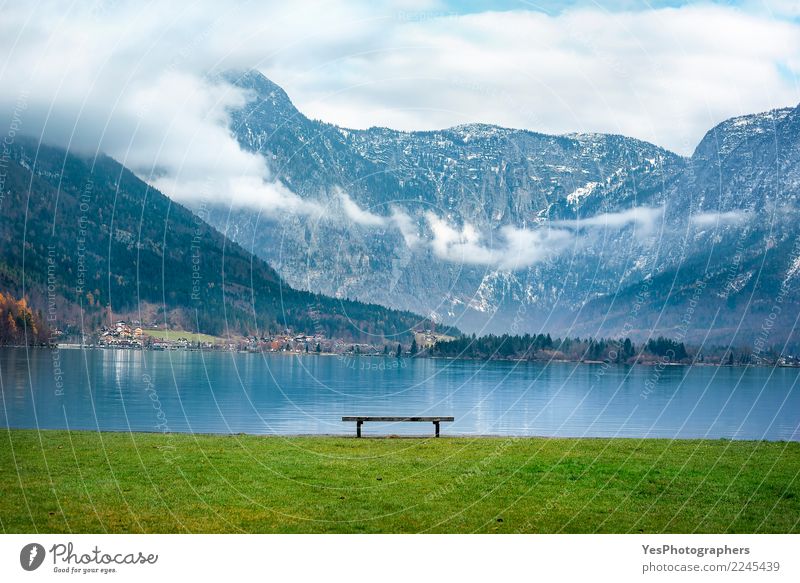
pixel 216 392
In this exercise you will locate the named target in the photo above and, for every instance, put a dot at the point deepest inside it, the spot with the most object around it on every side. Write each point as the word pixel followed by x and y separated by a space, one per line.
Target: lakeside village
pixel 429 343
pixel 22 326
pixel 136 335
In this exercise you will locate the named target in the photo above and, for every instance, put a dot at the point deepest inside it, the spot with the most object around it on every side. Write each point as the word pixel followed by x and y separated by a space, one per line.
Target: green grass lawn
pixel 174 335
pixel 54 481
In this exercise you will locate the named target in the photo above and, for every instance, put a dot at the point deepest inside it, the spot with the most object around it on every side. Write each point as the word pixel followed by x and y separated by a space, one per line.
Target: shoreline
pixel 393 436
pixel 70 346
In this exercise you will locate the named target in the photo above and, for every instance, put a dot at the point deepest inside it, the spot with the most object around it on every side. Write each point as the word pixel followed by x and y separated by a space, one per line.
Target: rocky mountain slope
pixel 740 252
pixel 502 230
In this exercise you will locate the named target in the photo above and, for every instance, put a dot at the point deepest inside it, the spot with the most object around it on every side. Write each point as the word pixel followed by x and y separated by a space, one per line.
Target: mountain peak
pixel 729 134
pixel 470 131
pixel 265 89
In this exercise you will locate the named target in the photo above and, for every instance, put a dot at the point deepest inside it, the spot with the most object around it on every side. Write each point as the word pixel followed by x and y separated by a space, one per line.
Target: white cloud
pixel 183 146
pixel 526 247
pixel 407 227
pixel 665 75
pixel 643 217
pixel 516 249
pixel 270 197
pixel 358 215
pixel 398 218
pixel 708 219
pixel 134 83
pixel 459 246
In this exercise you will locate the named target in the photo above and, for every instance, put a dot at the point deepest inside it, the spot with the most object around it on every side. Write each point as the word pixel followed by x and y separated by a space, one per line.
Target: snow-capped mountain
pixel 497 229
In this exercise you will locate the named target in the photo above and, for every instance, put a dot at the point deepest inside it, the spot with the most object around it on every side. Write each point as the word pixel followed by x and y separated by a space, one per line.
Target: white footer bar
pixel 399 558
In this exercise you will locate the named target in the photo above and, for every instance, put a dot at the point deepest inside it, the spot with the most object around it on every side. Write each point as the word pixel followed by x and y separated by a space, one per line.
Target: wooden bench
pixel 360 420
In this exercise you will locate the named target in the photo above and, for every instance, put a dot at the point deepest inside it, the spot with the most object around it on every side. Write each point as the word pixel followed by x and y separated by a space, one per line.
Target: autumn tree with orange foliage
pixel 19 324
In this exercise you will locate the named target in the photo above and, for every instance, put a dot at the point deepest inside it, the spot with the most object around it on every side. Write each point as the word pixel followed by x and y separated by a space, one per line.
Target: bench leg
pixel 358 428
pixel 436 423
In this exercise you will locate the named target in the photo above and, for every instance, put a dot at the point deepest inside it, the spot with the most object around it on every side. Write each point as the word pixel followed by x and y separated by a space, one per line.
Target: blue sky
pixel 778 8
pixel 553 7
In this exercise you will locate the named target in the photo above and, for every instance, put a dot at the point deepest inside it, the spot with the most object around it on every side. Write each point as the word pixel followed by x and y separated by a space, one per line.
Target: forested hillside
pixel 85 236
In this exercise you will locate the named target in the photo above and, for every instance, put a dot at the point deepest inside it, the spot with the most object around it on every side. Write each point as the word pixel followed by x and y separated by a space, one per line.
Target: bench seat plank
pixel 373 418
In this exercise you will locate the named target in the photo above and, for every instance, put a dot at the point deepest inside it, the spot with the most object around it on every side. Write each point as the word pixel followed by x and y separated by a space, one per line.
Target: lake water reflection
pixel 216 392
